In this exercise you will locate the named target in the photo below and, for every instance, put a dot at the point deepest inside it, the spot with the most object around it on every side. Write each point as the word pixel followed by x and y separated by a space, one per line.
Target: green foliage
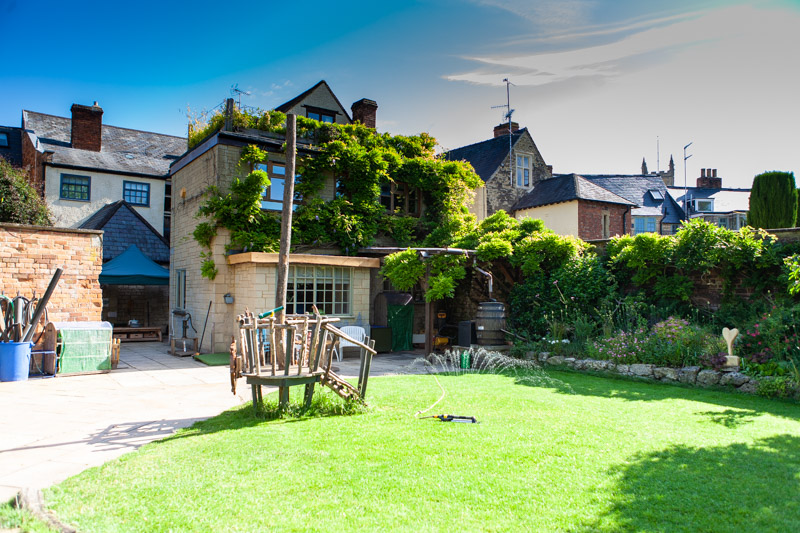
pixel 773 201
pixel 19 202
pixel 404 269
pixel 777 387
pixel 208 269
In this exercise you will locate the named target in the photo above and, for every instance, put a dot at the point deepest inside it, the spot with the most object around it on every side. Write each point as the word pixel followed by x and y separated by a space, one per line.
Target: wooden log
pixel 362 386
pixel 336 331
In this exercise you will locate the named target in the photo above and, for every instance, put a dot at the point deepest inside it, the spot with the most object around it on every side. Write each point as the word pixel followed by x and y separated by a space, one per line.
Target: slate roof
pixel 286 106
pixel 123 150
pixel 123 226
pixel 725 200
pixel 636 188
pixel 566 188
pixel 13 152
pixel 485 156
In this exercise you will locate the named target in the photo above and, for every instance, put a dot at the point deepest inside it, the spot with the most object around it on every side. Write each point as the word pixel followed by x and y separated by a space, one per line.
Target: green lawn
pixel 573 453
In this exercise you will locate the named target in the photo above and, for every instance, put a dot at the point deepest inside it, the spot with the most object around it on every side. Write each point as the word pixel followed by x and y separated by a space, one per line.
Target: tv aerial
pixel 507 118
pixel 237 92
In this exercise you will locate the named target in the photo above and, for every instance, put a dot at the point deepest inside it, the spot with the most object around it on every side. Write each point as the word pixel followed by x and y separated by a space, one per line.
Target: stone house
pixel 570 204
pixel 338 285
pixel 509 164
pixel 79 165
pixel 710 201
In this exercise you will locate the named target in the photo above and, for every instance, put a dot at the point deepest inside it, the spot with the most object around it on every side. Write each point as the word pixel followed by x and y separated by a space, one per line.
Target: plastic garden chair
pixel 355 332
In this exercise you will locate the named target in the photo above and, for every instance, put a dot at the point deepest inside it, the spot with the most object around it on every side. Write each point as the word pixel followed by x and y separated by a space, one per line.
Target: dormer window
pixel 322 115
pixel 704 205
pixel 523 171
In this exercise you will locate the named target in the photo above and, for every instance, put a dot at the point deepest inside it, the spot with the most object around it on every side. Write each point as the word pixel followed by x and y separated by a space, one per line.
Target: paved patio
pixel 54 428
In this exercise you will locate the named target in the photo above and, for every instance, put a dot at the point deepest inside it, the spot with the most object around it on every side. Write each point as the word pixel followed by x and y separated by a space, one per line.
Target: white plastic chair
pixel 354 332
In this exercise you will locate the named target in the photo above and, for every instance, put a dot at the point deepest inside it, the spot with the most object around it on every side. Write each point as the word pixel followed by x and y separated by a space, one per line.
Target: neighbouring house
pixel 570 204
pixel 338 285
pixel 509 164
pixel 79 165
pixel 11 145
pixel 710 201
pixel 145 301
pixel 655 211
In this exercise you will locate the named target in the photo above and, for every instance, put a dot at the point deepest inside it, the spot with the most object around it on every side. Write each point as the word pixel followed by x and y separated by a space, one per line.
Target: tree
pixel 19 202
pixel 773 201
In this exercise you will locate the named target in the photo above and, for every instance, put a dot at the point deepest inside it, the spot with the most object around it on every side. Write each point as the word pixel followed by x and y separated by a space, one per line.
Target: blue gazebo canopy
pixel 132 267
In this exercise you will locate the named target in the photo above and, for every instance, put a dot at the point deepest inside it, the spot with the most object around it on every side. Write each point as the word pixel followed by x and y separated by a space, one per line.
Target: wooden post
pixel 286 217
pixel 428 315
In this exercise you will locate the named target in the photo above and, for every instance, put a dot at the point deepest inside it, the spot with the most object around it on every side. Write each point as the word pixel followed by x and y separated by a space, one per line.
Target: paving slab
pixel 56 427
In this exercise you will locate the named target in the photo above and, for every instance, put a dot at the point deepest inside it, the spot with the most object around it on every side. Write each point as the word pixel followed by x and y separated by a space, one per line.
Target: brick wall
pixel 29 255
pixel 590 219
pixel 87 127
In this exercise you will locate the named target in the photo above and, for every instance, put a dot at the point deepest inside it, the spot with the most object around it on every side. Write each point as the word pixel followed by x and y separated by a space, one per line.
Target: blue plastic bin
pixel 15 360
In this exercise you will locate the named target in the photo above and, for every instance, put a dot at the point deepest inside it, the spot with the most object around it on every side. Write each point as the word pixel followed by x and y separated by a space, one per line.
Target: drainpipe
pixel 485 273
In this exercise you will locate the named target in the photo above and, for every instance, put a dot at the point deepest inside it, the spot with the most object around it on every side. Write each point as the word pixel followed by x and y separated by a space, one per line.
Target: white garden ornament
pixel 729 335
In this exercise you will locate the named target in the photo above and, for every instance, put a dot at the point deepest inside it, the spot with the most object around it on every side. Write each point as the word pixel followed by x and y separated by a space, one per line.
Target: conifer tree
pixel 773 201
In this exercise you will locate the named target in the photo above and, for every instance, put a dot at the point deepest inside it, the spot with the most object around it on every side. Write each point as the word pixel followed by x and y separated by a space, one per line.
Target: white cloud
pixel 549 14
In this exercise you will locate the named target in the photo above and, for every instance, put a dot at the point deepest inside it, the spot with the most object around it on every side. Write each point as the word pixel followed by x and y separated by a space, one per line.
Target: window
pixel 180 288
pixel 272 198
pixel 644 225
pixel 75 187
pixel 656 194
pixel 167 208
pixel 326 287
pixel 523 171
pixel 323 115
pixel 400 198
pixel 606 225
pixel 705 205
pixel 3 139
pixel 136 193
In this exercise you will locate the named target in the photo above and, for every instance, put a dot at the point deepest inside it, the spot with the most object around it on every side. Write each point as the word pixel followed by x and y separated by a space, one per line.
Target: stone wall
pixel 500 192
pixel 690 375
pixel 29 255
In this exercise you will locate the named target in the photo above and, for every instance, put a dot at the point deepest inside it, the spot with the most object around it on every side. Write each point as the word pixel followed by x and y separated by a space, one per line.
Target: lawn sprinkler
pixel 453 418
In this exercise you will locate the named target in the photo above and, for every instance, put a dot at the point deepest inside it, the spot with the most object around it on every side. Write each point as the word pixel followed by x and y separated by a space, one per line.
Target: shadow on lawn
pixel 720 488
pixel 742 408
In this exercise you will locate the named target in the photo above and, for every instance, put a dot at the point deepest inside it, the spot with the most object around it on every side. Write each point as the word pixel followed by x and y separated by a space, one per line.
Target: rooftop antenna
pixel 236 91
pixel 658 156
pixel 685 187
pixel 507 117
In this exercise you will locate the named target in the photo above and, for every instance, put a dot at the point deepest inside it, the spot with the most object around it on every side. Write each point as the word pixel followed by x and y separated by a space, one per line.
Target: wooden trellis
pixel 296 351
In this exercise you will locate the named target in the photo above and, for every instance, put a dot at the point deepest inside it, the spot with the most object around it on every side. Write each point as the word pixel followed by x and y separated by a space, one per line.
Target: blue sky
pixel 596 81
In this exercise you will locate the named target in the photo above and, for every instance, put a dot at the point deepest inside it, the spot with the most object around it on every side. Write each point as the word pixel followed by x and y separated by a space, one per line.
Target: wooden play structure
pixel 297 350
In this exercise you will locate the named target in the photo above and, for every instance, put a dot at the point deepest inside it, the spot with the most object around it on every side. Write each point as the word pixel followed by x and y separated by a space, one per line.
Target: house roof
pixel 287 106
pixel 640 189
pixel 725 200
pixel 13 152
pixel 486 156
pixel 566 188
pixel 123 226
pixel 123 150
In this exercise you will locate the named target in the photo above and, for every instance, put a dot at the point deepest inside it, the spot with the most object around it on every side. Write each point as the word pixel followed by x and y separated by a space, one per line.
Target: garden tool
pixel 454 418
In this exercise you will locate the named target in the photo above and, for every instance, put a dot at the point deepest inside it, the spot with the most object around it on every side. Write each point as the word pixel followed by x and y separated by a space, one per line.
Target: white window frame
pixel 330 288
pixel 523 171
pixel 698 201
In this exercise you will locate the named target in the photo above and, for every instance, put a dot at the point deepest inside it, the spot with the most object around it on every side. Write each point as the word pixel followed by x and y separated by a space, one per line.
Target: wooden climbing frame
pixel 296 351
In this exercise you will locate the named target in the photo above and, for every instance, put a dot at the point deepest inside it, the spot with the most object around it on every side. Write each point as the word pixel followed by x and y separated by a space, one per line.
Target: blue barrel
pixel 15 360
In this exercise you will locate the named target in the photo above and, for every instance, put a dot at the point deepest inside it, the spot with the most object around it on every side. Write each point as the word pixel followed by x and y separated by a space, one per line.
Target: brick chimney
pixel 87 127
pixel 708 179
pixel 364 111
pixel 502 129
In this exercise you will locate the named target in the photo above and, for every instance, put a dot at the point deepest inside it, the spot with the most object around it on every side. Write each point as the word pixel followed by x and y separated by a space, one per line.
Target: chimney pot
pixel 365 111
pixel 502 129
pixel 87 127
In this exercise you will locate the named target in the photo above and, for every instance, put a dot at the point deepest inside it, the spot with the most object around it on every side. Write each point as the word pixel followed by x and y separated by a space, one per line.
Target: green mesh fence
pixel 401 320
pixel 84 350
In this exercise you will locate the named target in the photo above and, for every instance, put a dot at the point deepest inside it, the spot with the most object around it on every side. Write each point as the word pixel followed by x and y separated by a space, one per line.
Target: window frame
pixel 645 222
pixel 321 112
pixel 4 139
pixel 522 181
pixel 314 282
pixel 698 201
pixel 180 288
pixel 125 191
pixel 268 202
pixel 87 185
pixel 401 192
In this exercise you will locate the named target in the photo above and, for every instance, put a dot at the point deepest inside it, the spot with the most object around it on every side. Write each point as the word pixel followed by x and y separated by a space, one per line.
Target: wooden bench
pixel 138 334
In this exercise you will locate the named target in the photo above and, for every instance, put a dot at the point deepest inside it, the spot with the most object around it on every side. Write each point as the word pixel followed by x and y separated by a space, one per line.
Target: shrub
pixel 624 347
pixel 773 201
pixel 779 387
